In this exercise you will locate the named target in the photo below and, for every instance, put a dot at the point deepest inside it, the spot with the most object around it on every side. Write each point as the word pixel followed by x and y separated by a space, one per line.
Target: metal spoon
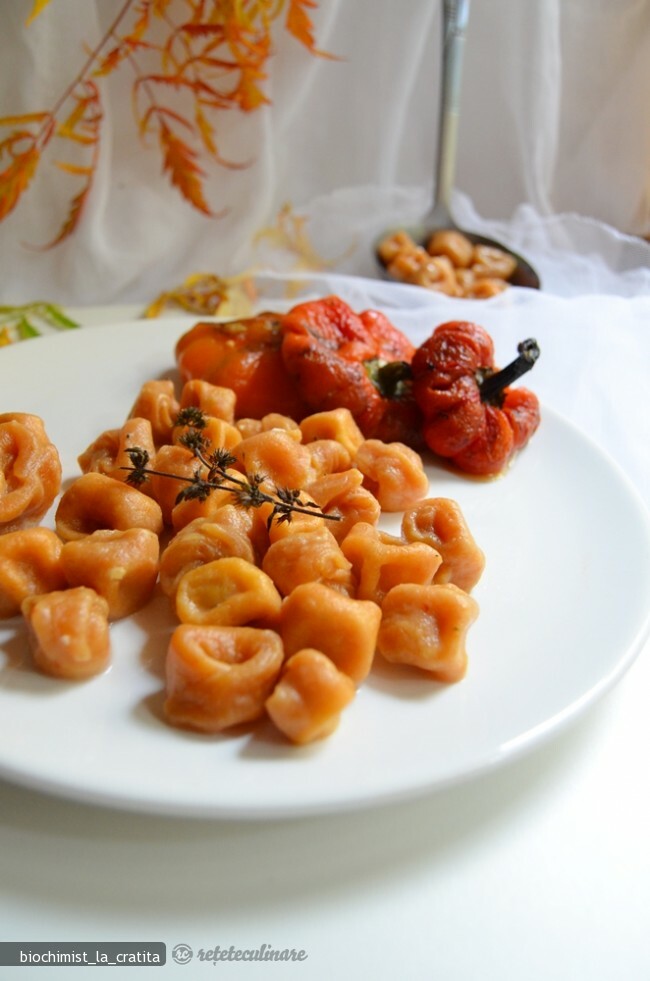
pixel 455 17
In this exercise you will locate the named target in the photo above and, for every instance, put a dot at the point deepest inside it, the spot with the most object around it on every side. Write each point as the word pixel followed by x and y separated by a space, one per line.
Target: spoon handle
pixel 455 17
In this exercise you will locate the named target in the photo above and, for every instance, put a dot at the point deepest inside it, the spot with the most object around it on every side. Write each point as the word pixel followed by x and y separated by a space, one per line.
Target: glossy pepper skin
pixel 333 355
pixel 244 355
pixel 476 429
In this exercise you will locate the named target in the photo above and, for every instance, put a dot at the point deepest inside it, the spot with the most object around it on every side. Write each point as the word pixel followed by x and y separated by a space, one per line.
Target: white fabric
pixel 554 146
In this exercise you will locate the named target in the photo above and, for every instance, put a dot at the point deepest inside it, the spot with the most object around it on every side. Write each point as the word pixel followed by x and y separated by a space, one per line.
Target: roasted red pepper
pixel 336 358
pixel 471 415
pixel 244 355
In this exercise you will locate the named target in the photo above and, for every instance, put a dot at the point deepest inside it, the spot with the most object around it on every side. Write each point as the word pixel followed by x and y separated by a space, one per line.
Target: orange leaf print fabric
pixel 189 62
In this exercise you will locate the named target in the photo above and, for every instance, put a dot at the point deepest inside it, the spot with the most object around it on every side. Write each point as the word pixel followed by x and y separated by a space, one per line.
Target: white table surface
pixel 537 871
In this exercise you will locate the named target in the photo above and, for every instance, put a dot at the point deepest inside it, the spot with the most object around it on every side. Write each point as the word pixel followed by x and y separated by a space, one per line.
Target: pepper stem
pixel 390 379
pixel 492 386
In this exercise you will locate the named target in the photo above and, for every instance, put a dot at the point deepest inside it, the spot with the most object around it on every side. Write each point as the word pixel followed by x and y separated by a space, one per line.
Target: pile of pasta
pixel 276 619
pixel 449 263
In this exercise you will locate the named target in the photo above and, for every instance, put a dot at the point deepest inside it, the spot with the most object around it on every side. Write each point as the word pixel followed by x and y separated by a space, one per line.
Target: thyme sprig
pixel 215 473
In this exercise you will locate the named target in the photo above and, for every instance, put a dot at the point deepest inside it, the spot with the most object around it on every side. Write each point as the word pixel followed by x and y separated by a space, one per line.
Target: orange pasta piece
pixel 213 400
pixel 342 496
pixel 307 701
pixel 30 471
pixel 30 563
pixel 276 420
pixel 344 629
pixel 218 677
pixel 227 592
pixel 300 524
pixel 439 522
pixel 185 512
pixel 136 433
pixel 426 626
pixel 482 287
pixel 121 566
pixel 393 472
pixel 94 501
pixel 492 263
pixel 100 455
pixel 188 510
pixel 313 556
pixel 276 456
pixel 69 632
pixel 178 462
pixel 157 402
pixel 328 456
pixel 249 427
pixel 381 561
pixel 217 433
pixel 336 424
pixel 204 540
pixel 456 246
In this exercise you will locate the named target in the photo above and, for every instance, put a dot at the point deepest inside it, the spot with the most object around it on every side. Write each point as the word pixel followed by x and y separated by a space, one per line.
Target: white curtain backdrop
pixel 554 146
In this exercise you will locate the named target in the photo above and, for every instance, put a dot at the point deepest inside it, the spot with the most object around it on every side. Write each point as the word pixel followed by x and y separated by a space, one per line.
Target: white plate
pixel 564 610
